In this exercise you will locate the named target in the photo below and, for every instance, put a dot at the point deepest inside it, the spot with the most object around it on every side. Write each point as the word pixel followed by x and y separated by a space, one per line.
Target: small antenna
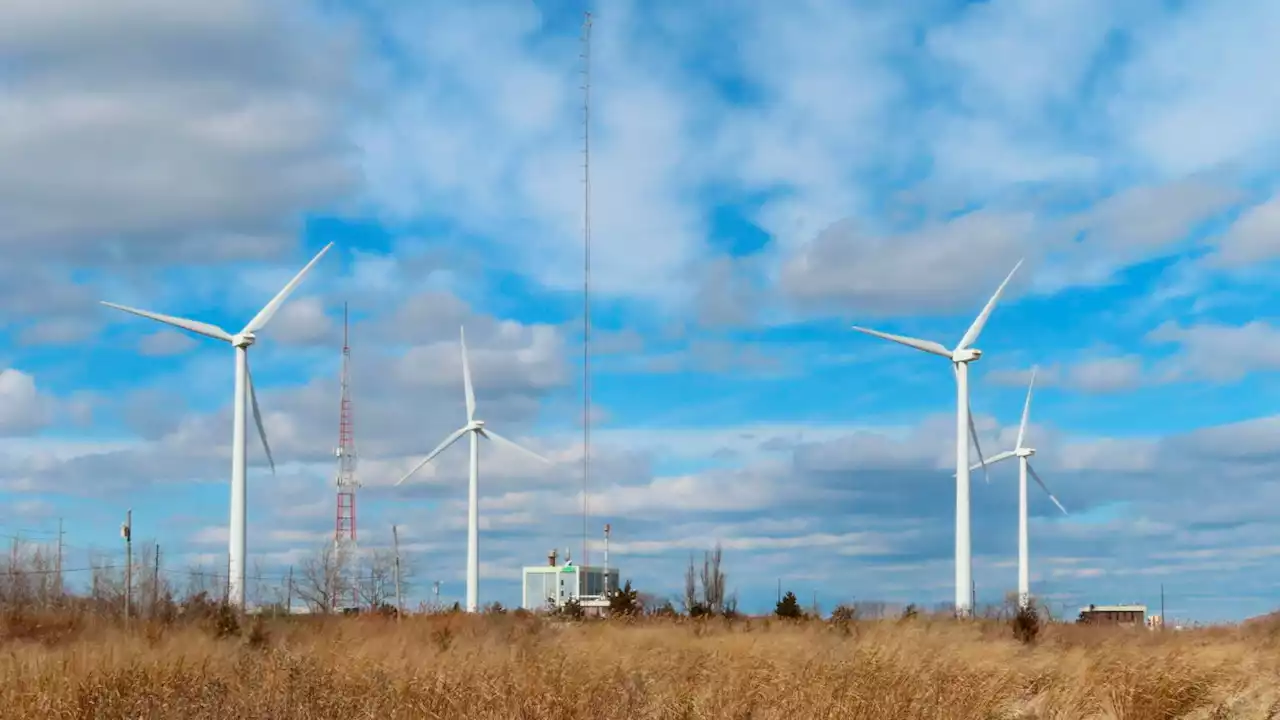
pixel 586 276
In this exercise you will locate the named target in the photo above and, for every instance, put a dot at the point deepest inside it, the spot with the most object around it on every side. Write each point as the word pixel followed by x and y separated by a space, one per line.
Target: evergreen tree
pixel 788 607
pixel 624 602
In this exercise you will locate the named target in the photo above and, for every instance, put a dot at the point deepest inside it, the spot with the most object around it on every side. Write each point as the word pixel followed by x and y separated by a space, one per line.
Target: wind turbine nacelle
pixel 243 339
pixel 966 355
pixel 1024 452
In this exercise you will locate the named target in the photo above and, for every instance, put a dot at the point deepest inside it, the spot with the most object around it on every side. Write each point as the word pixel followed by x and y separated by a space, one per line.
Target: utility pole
pixel 288 597
pixel 1162 606
pixel 126 532
pixel 155 583
pixel 606 560
pixel 60 581
pixel 779 589
pixel 395 541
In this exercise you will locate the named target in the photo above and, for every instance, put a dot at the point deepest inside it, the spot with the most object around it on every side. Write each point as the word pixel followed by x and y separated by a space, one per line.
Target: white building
pixel 552 585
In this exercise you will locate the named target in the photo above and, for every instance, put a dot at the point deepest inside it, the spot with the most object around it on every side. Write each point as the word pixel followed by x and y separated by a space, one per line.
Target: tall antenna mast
pixel 586 277
pixel 344 533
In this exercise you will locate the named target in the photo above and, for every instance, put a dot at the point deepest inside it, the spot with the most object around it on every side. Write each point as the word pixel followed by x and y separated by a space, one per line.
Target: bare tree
pixel 204 582
pixel 320 579
pixel 42 564
pixel 377 583
pixel 690 598
pixel 710 581
pixel 29 578
pixel 107 585
pixel 150 588
pixel 713 580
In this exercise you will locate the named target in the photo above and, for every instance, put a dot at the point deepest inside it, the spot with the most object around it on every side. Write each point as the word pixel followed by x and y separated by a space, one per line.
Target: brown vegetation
pixel 192 657
pixel 74 663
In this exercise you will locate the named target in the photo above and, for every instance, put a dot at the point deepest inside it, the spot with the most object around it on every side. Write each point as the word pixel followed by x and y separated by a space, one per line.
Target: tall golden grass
pixel 68 665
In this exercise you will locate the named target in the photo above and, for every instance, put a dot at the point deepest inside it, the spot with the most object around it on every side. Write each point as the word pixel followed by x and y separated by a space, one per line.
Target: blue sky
pixel 764 176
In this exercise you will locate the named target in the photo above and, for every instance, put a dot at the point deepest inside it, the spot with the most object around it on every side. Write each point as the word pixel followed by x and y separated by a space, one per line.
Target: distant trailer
pixel 1114 615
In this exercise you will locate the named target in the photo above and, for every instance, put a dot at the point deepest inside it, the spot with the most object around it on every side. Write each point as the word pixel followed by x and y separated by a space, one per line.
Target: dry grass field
pixel 67 665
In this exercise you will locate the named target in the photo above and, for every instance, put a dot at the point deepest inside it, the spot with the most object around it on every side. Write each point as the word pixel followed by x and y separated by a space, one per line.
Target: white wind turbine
pixel 963 354
pixel 474 428
pixel 1024 468
pixel 244 381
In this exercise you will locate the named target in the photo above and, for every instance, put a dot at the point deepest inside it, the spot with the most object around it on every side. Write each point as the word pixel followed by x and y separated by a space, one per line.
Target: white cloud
pixel 1254 237
pixel 216 535
pixel 207 154
pixel 166 342
pixel 964 260
pixel 504 162
pixel 1187 99
pixel 1103 375
pixel 303 321
pixel 22 408
pixel 1221 353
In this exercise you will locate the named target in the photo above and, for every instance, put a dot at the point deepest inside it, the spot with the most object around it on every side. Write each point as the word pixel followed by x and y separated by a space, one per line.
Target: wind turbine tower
pixel 244 400
pixel 960 356
pixel 1023 453
pixel 475 429
pixel 344 532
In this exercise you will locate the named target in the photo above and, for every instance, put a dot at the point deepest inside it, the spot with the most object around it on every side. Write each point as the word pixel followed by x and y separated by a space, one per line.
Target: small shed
pixel 1114 615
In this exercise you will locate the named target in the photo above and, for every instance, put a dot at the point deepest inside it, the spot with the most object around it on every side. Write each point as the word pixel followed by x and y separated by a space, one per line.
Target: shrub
pixel 223 622
pixel 257 637
pixel 624 602
pixel 665 610
pixel 699 610
pixel 788 607
pixel 571 610
pixel 1026 624
pixel 843 614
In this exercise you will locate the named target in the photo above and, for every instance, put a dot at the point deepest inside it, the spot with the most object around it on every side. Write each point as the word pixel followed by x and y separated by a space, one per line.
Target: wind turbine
pixel 963 354
pixel 1023 454
pixel 244 380
pixel 476 429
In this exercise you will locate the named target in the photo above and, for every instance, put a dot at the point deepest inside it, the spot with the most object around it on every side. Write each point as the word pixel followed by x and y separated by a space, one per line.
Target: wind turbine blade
pixel 1036 476
pixel 928 346
pixel 501 440
pixel 995 459
pixel 263 317
pixel 973 429
pixel 466 379
pixel 973 433
pixel 257 416
pixel 194 326
pixel 971 336
pixel 1026 410
pixel 453 437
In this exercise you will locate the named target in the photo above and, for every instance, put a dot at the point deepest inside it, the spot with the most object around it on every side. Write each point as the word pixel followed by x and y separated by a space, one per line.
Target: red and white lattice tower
pixel 344 532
